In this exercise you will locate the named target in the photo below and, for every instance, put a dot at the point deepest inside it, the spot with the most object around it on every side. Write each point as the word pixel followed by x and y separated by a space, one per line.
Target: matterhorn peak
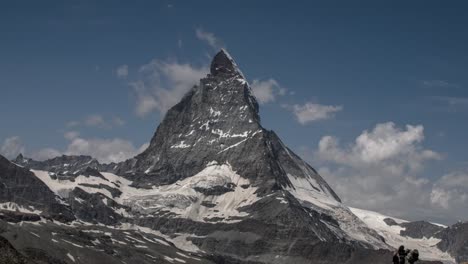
pixel 213 184
pixel 223 63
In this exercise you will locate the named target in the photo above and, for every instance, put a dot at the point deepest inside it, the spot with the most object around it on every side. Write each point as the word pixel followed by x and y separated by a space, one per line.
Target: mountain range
pixel 213 186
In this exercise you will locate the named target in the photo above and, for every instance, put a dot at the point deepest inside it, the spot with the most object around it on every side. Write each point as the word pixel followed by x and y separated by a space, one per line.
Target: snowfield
pixel 180 197
pixel 427 246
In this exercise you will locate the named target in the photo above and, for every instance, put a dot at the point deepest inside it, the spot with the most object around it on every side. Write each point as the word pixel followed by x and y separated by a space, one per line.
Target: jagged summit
pixel 218 121
pixel 223 63
pixel 20 157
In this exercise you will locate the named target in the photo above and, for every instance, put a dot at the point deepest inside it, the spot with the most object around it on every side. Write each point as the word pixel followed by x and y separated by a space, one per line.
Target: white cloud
pixel 310 112
pixel 450 192
pixel 435 83
pixel 96 120
pixel 384 170
pixel 12 147
pixel 143 147
pixel 73 123
pixel 44 154
pixel 162 84
pixel 266 91
pixel 104 150
pixel 71 135
pixel 452 101
pixel 118 121
pixel 209 38
pixel 122 71
pixel 439 84
pixel 398 150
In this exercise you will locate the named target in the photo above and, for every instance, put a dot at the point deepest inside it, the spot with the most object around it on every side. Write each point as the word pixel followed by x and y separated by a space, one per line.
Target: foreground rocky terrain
pixel 213 186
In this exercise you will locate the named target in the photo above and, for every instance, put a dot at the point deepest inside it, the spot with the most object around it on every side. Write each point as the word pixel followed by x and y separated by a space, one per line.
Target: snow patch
pixel 71 243
pixel 214 113
pixel 71 257
pixel 62 188
pixel 223 134
pixel 233 146
pixel 10 206
pixel 181 145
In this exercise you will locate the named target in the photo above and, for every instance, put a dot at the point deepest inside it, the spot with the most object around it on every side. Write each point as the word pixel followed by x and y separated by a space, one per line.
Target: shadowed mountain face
pixel 455 241
pixel 19 186
pixel 213 186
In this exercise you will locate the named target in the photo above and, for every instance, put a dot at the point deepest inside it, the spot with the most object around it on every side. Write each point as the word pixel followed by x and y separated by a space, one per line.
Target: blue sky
pixel 69 75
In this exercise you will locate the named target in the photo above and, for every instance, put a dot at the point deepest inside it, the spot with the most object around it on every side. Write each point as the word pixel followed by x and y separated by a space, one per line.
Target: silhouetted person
pixel 413 256
pixel 400 256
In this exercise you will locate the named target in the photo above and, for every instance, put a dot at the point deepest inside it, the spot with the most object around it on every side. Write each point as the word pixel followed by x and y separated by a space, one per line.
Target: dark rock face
pixel 8 254
pixel 20 186
pixel 63 166
pixel 416 229
pixel 50 243
pixel 16 217
pixel 90 207
pixel 455 241
pixel 114 191
pixel 390 221
pixel 41 256
pixel 420 229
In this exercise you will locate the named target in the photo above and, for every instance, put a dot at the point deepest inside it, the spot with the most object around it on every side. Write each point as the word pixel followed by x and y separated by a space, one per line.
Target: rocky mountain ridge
pixel 213 186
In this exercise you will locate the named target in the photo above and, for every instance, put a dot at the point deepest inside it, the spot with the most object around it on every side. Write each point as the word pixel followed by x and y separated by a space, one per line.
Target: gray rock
pixel 454 240
pixel 390 221
pixel 52 243
pixel 90 207
pixel 64 166
pixel 22 187
pixel 416 229
pixel 420 229
pixel 8 254
pixel 114 191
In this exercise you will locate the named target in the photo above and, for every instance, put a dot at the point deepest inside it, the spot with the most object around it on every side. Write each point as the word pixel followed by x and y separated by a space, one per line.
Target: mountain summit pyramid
pixel 212 142
pixel 218 121
pixel 213 186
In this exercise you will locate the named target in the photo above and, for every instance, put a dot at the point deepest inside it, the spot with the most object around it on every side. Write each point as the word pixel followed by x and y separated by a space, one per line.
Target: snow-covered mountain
pixel 213 186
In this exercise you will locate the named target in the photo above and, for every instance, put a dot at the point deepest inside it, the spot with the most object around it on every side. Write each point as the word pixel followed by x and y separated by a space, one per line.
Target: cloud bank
pixel 383 170
pixel 104 150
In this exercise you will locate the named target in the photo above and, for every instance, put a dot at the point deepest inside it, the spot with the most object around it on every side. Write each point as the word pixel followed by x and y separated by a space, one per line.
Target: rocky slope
pixel 23 195
pixel 455 241
pixel 213 186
